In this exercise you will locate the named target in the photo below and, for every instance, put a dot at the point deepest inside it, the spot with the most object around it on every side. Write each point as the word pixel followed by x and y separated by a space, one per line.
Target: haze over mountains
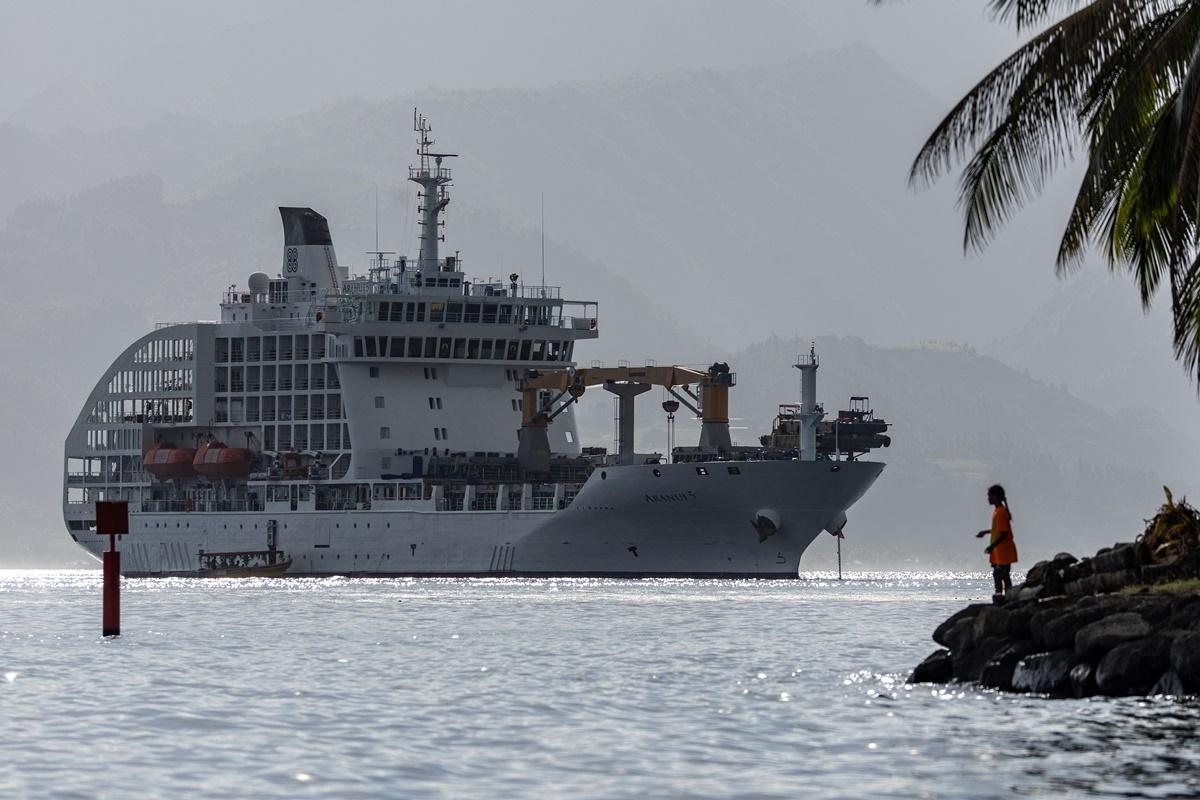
pixel 722 213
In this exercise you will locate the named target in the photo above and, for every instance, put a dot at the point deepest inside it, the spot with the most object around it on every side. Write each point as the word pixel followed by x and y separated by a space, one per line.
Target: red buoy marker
pixel 112 519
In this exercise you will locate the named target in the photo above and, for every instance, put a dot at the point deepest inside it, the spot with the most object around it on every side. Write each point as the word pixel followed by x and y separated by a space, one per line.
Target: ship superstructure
pixel 414 420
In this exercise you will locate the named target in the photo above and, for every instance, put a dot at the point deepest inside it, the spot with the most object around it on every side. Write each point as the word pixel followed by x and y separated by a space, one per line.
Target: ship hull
pixel 681 520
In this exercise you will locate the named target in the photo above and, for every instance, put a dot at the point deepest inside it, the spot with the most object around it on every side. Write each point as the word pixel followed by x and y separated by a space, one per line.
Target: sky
pixel 701 231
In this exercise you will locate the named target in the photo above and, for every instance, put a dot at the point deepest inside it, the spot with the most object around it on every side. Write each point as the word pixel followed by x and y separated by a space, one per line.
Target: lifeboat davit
pixel 215 460
pixel 167 462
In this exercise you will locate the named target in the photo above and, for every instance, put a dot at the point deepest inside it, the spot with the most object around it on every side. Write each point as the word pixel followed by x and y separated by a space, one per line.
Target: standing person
pixel 1002 551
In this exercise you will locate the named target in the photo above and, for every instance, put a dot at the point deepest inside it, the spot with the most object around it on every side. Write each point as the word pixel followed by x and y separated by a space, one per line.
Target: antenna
pixel 377 217
pixel 543 244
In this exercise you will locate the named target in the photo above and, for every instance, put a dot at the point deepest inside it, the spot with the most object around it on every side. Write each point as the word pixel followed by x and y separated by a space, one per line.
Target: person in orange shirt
pixel 1002 551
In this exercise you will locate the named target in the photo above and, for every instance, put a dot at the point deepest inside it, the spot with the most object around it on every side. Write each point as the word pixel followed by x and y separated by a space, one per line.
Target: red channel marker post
pixel 112 520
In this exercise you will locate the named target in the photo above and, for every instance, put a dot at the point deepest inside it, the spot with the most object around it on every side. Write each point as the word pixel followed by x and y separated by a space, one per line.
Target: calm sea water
pixel 344 688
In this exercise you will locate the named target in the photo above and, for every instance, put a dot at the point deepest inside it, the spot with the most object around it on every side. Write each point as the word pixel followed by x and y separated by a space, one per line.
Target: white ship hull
pixel 626 521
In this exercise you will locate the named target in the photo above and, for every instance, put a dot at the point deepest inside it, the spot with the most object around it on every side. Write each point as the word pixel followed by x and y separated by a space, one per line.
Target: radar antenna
pixel 433 179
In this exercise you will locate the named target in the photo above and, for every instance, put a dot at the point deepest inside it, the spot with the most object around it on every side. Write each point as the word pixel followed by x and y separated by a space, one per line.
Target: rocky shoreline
pixel 1124 622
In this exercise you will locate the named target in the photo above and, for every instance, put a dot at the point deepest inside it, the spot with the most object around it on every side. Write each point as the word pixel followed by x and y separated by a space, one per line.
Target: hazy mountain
pixel 705 211
pixel 1093 336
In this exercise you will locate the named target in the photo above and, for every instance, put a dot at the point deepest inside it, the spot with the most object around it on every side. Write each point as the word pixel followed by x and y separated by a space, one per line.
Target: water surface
pixel 349 688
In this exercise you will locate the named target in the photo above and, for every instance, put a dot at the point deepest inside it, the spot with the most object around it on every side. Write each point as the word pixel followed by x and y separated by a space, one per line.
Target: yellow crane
pixel 539 408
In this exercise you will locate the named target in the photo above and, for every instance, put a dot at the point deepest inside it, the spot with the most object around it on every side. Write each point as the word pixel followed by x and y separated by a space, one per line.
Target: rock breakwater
pixel 1119 623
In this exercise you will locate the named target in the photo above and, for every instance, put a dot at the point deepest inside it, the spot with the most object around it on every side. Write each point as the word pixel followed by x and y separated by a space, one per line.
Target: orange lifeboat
pixel 167 462
pixel 215 460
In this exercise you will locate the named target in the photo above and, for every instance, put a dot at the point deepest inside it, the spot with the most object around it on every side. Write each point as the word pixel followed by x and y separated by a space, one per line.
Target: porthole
pixel 603 475
pixel 835 468
pixel 701 471
pixel 657 472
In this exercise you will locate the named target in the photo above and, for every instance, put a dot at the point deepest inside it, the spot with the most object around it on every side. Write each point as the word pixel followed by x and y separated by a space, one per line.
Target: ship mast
pixel 433 179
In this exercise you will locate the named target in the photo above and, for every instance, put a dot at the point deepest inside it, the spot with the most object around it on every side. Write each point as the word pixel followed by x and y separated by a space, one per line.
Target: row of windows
pixel 177 409
pixel 114 439
pixel 157 350
pixel 281 347
pixel 486 313
pixel 150 380
pixel 447 348
pixel 438 433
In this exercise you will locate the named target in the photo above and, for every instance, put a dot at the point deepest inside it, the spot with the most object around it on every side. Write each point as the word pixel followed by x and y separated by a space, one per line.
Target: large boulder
pixel 1001 622
pixel 1120 558
pixel 1185 659
pixel 936 668
pixel 1115 581
pixel 1097 638
pixel 1133 667
pixel 1170 684
pixel 1083 680
pixel 998 672
pixel 1037 573
pixel 1044 673
pixel 969 664
pixel 939 633
pixel 961 636
pixel 1057 632
pixel 1185 616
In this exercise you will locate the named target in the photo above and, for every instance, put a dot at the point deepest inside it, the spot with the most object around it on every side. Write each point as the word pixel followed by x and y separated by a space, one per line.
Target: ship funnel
pixel 309 262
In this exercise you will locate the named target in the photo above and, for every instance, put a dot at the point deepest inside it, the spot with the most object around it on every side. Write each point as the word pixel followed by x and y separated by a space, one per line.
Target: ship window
pixel 443 282
pixel 426 373
pixel 525 345
pixel 489 313
pixel 438 400
pixel 397 314
pixel 500 347
pixel 397 350
pixel 414 347
pixel 514 404
pixel 454 312
pixel 383 343
pixel 460 348
pixel 437 434
pixel 437 311
pixel 555 351
pixel 444 348
pixel 430 347
pixel 420 312
pixel 371 353
pixel 473 348
pixel 539 351
pixel 373 372
pixel 485 351
pixel 506 317
pixel 433 372
pixel 701 471
pixel 379 401
pixel 385 432
pixel 384 310
pixel 431 404
pixel 512 349
pixel 358 346
pixel 472 313
pixel 570 438
pixel 734 470
pixel 444 436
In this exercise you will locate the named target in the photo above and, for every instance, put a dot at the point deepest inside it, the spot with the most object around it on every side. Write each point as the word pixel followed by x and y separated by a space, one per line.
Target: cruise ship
pixel 417 421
